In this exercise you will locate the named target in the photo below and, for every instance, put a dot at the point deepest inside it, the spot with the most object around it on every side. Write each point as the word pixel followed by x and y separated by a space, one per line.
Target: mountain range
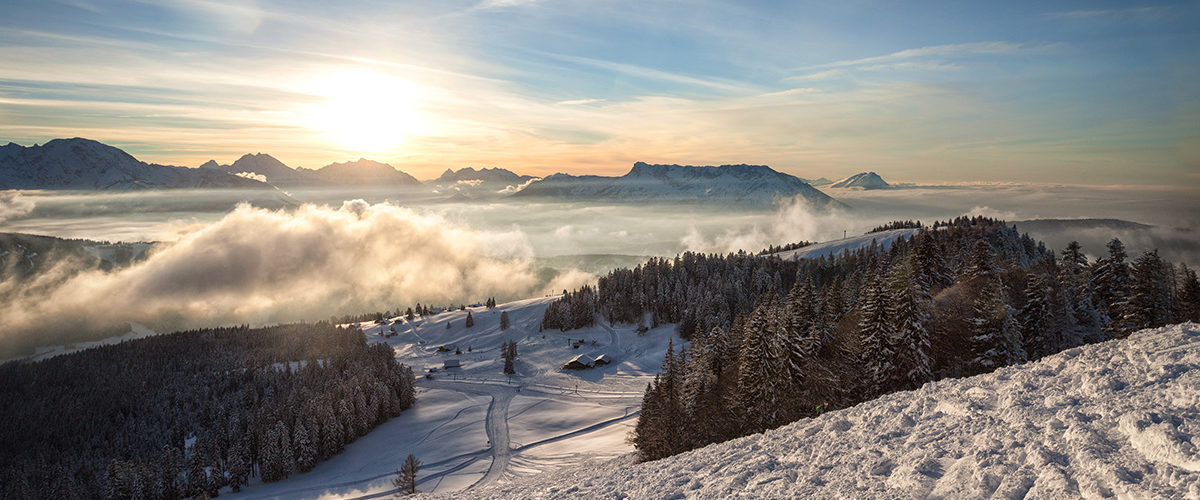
pixel 352 173
pixel 90 165
pixel 755 185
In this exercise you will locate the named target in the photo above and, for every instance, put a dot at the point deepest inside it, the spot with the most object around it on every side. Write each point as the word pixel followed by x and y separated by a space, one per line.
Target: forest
pixel 189 413
pixel 773 340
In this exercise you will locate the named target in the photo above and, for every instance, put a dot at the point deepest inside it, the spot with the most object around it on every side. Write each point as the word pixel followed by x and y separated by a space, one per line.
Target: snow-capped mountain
pixel 1115 419
pixel 865 180
pixel 86 164
pixel 754 185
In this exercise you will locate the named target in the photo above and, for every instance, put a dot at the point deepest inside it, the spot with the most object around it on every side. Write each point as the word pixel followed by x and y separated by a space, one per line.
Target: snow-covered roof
pixel 582 359
pixel 451 363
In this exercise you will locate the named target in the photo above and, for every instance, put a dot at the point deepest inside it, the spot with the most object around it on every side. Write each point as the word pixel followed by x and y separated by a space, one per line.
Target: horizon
pixel 1078 92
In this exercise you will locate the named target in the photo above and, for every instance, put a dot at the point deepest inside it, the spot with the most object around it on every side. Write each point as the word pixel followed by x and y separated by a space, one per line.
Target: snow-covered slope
pixel 1117 419
pixel 474 425
pixel 755 185
pixel 87 164
pixel 883 238
pixel 864 180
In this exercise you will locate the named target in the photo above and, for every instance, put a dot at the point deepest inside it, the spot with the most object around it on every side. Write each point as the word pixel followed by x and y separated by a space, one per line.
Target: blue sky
pixel 1076 92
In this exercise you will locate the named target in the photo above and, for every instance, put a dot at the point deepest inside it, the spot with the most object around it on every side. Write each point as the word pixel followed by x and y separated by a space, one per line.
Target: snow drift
pixel 1120 418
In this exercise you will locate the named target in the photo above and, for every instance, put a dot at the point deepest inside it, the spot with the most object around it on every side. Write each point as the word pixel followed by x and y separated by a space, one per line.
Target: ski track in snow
pixel 1117 419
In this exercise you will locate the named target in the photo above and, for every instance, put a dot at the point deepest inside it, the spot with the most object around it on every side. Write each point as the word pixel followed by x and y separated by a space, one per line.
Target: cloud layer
pixel 260 266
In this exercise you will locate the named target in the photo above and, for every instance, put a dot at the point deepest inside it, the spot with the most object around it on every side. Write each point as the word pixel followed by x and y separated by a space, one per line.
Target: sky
pixel 1054 92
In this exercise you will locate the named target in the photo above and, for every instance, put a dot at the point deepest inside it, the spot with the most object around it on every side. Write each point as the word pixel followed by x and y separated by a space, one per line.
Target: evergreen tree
pixel 1187 296
pixel 406 476
pixel 470 321
pixel 1150 293
pixel 874 328
pixel 239 468
pixel 1110 284
pixel 1037 328
pixel 910 311
pixel 305 451
pixel 508 351
pixel 762 373
pixel 504 320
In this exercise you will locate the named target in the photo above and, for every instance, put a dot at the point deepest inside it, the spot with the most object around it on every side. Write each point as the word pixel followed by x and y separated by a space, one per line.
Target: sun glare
pixel 366 112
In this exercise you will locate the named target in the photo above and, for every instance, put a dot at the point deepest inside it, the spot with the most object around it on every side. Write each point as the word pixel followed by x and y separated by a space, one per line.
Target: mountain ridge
pixel 741 184
pixel 85 164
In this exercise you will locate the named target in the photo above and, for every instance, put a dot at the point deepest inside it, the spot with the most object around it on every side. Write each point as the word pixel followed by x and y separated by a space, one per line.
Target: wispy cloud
pixel 576 102
pixel 1131 12
pixel 943 51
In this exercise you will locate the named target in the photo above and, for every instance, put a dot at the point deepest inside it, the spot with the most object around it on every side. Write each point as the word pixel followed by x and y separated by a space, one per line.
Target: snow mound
pixel 1120 418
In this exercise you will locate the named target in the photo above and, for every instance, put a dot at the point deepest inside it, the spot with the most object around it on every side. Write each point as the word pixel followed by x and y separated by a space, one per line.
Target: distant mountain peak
pixel 864 180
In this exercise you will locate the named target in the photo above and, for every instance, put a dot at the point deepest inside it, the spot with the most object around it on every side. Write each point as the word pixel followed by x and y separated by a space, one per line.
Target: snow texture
pixel 1116 419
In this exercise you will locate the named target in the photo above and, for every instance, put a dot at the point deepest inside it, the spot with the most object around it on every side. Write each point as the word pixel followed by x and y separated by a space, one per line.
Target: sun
pixel 365 112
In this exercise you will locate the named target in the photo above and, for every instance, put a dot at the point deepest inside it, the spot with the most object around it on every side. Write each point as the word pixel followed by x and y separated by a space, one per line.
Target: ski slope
pixel 836 247
pixel 474 426
pixel 1116 419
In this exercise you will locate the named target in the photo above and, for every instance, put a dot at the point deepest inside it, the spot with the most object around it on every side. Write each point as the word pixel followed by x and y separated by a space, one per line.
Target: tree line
pixel 773 341
pixel 191 413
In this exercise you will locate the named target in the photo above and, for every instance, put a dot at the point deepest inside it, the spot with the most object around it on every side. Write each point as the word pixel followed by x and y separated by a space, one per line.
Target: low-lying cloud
pixel 797 219
pixel 12 204
pixel 261 266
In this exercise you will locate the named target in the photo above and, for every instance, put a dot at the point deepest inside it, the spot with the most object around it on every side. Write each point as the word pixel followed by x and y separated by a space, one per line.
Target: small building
pixel 451 363
pixel 580 362
pixel 601 360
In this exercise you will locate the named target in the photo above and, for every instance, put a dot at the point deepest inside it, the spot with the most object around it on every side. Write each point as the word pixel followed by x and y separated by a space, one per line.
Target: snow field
pixel 1116 419
pixel 473 426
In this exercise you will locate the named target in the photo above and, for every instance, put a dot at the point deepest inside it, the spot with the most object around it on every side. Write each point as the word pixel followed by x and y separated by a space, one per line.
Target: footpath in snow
pixel 1117 419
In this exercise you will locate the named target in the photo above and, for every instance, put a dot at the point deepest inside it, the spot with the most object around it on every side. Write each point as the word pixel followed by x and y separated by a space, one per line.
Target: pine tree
pixel 406 476
pixel 874 328
pixel 1150 293
pixel 1036 324
pixel 239 468
pixel 1187 296
pixel 762 375
pixel 305 451
pixel 504 320
pixel 1110 284
pixel 910 311
pixel 508 351
pixel 470 321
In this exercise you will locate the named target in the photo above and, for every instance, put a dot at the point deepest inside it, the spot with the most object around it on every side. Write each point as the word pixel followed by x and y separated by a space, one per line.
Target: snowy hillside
pixel 1121 418
pixel 864 180
pixel 883 238
pixel 86 164
pixel 754 185
pixel 474 425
